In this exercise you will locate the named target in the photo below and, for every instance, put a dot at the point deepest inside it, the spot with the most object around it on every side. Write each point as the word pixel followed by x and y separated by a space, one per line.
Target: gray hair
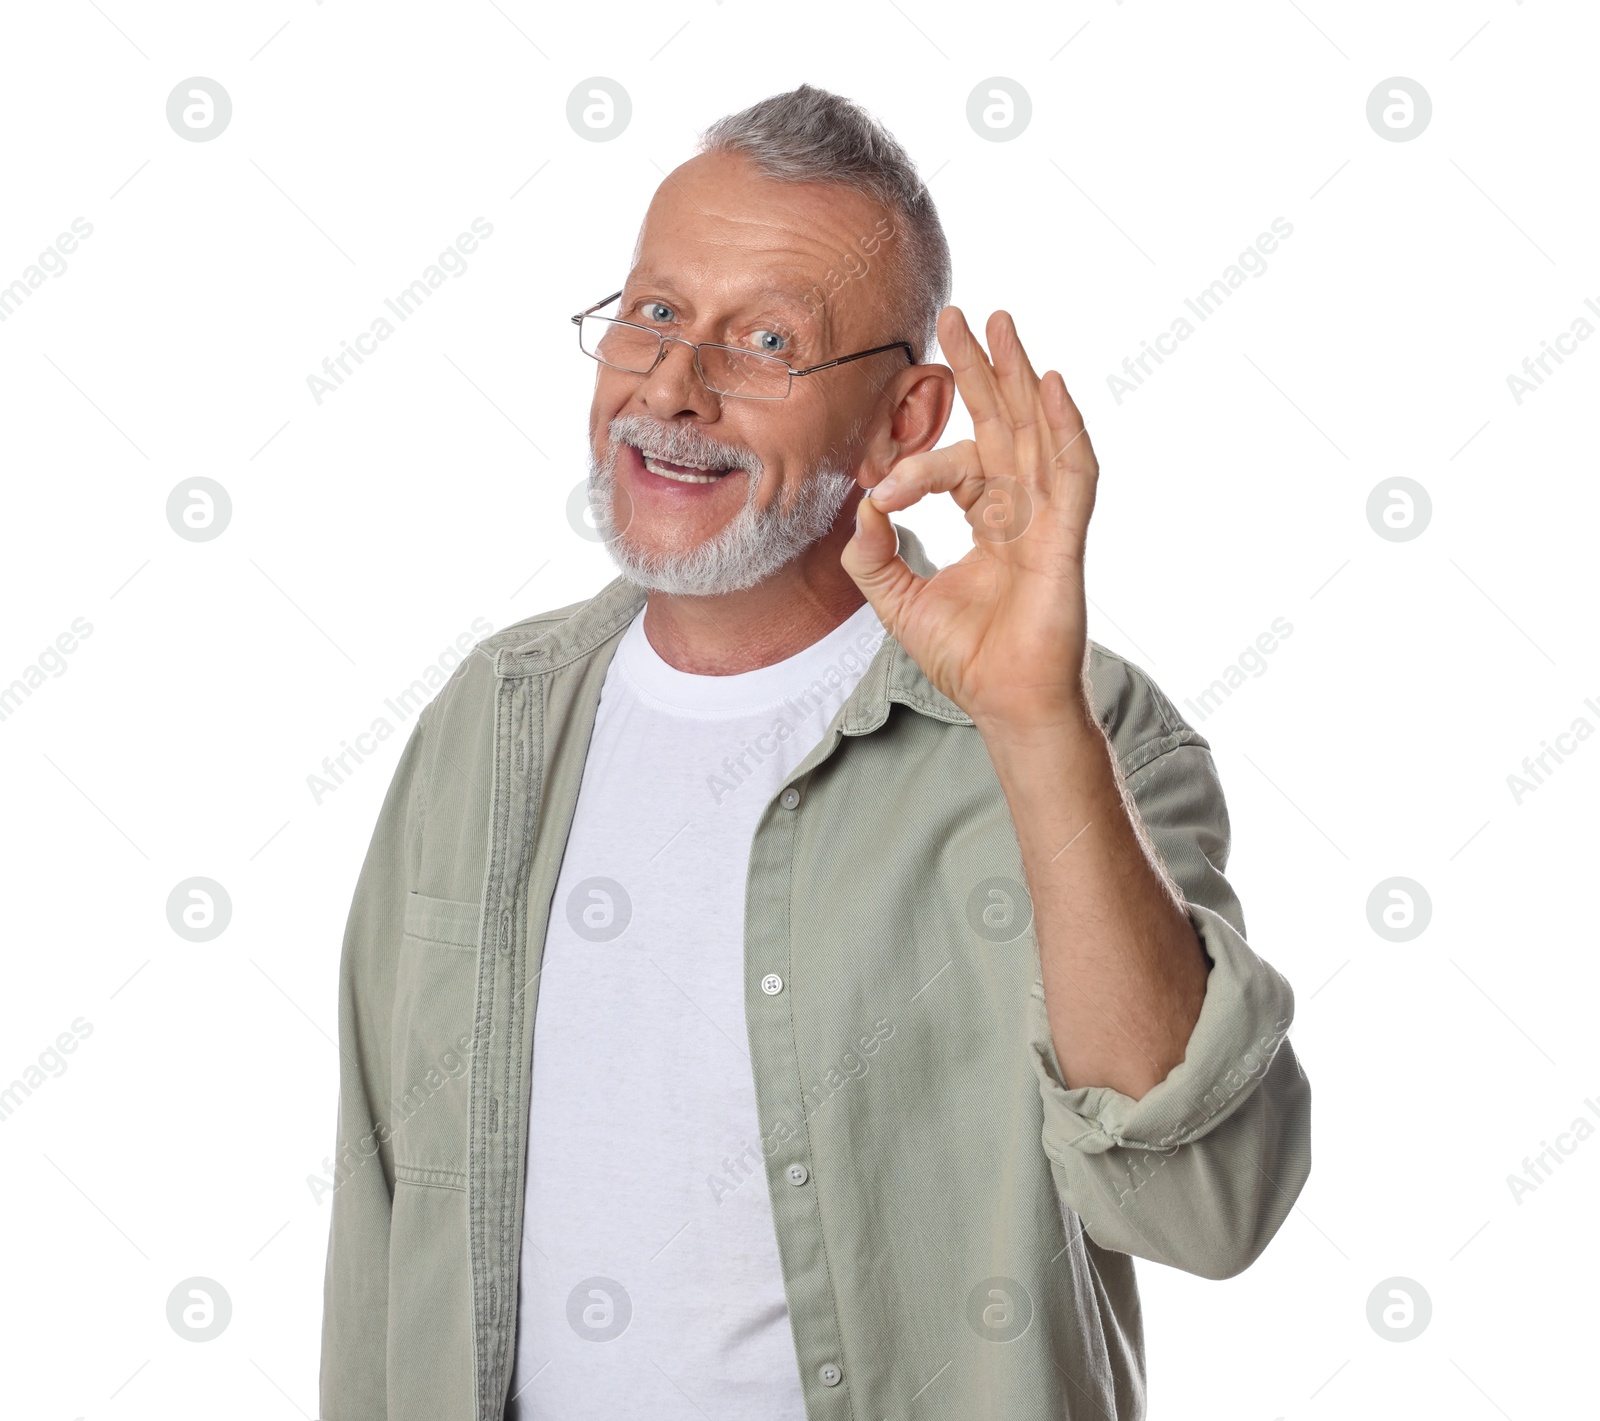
pixel 811 135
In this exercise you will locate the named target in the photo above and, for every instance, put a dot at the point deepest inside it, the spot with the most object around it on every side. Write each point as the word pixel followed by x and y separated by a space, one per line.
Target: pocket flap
pixel 444 920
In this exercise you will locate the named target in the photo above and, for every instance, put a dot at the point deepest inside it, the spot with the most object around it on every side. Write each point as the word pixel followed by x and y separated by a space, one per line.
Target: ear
pixel 923 397
pixel 923 409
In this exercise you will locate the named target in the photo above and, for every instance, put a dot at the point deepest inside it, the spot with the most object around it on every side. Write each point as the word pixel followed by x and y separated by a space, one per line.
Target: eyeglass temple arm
pixel 860 355
pixel 578 319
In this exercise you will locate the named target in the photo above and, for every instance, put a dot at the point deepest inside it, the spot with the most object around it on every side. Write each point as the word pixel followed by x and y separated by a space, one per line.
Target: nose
pixel 674 387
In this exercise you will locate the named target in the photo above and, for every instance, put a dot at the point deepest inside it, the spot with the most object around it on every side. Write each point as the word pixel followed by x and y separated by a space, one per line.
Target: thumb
pixel 872 558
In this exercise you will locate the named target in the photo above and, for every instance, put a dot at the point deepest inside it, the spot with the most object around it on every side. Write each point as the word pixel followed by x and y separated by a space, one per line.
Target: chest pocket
pixel 435 987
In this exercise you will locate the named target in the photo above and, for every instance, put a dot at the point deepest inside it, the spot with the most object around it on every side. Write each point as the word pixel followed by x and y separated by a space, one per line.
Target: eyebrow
pixel 769 295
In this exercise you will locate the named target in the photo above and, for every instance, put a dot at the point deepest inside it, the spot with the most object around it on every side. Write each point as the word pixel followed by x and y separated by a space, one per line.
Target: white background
pixel 369 531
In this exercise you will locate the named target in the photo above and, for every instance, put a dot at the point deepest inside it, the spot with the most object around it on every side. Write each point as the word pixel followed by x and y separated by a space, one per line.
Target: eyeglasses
pixel 724 369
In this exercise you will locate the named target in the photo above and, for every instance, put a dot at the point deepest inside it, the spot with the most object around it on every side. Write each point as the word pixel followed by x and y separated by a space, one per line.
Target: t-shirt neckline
pixel 846 649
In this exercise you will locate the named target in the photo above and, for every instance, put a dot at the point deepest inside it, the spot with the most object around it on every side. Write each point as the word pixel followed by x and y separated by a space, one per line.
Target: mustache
pixel 680 444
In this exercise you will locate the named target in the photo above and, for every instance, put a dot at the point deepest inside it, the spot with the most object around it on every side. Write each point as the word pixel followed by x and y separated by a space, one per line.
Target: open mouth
pixel 682 473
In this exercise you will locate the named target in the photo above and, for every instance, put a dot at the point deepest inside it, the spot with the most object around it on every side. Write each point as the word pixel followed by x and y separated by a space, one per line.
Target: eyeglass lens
pixel 726 370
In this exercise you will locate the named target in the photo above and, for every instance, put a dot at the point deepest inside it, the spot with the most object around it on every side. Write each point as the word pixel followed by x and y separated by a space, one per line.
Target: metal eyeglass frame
pixel 696 347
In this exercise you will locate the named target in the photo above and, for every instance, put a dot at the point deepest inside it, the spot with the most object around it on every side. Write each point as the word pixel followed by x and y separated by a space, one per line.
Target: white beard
pixel 756 542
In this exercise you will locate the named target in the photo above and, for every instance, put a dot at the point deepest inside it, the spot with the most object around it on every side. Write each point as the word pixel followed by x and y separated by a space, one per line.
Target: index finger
pixel 980 391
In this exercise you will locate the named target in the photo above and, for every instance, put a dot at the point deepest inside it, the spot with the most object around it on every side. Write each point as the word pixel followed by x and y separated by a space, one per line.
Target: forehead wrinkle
pixel 744 232
pixel 683 191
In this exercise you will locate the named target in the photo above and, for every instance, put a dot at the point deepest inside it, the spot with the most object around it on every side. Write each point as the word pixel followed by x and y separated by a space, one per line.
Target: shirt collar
pixel 891 676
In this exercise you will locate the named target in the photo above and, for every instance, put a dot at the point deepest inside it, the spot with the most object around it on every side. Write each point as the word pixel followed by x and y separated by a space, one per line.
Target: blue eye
pixel 651 308
pixel 770 342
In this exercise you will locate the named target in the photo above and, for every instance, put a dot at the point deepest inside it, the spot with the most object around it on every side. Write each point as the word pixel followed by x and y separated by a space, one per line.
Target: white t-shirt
pixel 651 1284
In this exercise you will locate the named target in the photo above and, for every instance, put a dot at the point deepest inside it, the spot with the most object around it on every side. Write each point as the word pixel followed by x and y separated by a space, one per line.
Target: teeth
pixel 681 476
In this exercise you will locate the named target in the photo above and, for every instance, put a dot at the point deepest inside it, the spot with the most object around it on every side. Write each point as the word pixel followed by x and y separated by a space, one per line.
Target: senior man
pixel 796 981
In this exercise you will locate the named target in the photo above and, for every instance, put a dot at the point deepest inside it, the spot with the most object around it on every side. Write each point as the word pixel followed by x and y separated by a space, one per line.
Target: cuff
pixel 1247 1010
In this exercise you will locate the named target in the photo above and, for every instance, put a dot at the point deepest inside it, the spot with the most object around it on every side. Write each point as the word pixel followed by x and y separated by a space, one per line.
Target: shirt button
pixel 830 1374
pixel 798 1174
pixel 790 798
pixel 772 984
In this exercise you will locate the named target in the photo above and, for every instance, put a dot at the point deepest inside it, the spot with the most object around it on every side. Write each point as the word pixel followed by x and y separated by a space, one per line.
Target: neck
pixel 770 622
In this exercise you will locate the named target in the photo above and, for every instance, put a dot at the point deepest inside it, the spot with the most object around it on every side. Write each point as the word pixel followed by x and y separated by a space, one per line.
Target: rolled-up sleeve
pixel 1200 1172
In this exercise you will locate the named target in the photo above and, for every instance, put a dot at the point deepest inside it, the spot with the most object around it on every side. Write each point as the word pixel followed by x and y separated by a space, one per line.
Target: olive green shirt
pixel 960 1240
